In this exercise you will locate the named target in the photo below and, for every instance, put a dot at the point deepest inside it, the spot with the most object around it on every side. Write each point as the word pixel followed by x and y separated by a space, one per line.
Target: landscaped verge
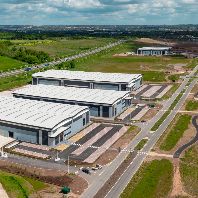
pixel 153 179
pixel 189 170
pixel 176 132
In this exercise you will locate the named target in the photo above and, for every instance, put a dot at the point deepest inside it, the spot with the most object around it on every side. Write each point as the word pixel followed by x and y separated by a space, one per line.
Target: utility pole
pixel 68 164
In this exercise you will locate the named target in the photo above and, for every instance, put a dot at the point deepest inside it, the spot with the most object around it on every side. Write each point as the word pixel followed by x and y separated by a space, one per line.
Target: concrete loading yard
pixel 94 143
pixel 153 91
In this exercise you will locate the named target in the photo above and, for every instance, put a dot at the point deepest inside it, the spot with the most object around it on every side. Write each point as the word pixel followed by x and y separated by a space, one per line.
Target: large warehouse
pixel 154 51
pixel 40 122
pixel 102 103
pixel 92 80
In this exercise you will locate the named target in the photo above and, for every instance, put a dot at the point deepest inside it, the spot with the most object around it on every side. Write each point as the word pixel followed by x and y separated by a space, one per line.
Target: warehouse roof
pixel 154 48
pixel 88 76
pixel 72 93
pixel 36 113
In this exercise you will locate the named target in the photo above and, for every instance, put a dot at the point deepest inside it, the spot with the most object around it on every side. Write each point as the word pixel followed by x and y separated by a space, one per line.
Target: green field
pixel 63 47
pixel 153 179
pixel 7 64
pixel 191 105
pixel 189 170
pixel 176 132
pixel 19 187
pixel 152 68
pixel 14 81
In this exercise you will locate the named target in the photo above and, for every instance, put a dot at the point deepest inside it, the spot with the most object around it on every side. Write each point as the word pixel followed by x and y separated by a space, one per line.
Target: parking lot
pixel 33 150
pixel 134 113
pixel 152 91
pixel 94 143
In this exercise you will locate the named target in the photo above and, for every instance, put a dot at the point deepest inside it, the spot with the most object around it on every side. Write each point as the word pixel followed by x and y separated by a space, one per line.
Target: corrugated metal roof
pixel 98 96
pixel 36 113
pixel 88 76
pixel 154 48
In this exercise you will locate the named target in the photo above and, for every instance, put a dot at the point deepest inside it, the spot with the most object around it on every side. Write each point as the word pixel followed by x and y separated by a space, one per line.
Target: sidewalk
pixel 3 193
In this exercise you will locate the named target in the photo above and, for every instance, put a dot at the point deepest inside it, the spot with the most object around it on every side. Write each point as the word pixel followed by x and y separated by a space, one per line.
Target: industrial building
pixel 154 51
pixel 102 103
pixel 91 80
pixel 40 122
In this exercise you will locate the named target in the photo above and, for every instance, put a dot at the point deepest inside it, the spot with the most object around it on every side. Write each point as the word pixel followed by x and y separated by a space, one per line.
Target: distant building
pixel 102 103
pixel 91 80
pixel 154 51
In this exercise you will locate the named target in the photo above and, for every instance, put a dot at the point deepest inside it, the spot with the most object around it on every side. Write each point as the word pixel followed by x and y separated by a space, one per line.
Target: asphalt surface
pixel 145 132
pixel 86 153
pixel 133 114
pixel 54 63
pixel 159 91
pixel 194 140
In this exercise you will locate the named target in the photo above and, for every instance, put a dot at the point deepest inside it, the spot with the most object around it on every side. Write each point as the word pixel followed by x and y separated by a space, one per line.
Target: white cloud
pixel 189 1
pixel 83 3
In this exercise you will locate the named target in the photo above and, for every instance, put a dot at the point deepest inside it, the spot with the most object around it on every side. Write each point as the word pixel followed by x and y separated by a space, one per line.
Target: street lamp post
pixel 68 164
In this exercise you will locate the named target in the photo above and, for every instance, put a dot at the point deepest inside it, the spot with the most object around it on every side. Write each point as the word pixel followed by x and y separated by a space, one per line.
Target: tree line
pixel 23 54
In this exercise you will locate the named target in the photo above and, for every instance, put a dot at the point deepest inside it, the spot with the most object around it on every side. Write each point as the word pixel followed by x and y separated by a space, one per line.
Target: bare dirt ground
pixel 177 186
pixel 177 190
pixel 195 89
pixel 3 193
pixel 178 68
pixel 150 114
pixel 52 177
pixel 110 155
pixel 52 192
pixel 153 41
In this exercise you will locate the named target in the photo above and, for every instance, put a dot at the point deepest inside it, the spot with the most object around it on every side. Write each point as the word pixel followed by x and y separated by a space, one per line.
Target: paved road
pixel 132 169
pixel 185 146
pixel 145 132
pixel 53 63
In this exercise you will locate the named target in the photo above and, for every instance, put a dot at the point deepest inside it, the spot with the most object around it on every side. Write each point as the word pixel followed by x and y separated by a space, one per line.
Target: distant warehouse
pixel 102 103
pixel 40 122
pixel 154 51
pixel 92 80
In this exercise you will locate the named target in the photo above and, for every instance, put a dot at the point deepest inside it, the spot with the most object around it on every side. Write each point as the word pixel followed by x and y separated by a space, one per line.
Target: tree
pixel 72 64
pixel 65 190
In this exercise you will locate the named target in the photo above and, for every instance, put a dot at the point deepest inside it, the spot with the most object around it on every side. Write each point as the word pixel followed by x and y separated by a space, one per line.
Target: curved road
pixel 185 146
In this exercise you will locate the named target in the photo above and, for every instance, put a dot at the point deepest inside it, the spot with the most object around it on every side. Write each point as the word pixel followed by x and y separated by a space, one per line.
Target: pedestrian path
pixel 3 193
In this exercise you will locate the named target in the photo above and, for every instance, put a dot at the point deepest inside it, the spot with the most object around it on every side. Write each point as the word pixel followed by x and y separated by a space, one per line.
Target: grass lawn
pixel 189 170
pixel 58 47
pixel 192 105
pixel 19 187
pixel 14 81
pixel 7 63
pixel 176 132
pixel 153 179
pixel 141 144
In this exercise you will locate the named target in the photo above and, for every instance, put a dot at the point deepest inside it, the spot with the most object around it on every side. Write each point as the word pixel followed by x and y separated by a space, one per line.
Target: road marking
pixel 101 173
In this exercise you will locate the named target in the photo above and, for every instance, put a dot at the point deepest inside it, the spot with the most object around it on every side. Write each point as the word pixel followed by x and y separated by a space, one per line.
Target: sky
pixel 98 12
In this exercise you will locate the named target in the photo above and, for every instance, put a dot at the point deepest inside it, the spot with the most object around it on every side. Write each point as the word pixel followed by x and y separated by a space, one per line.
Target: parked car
pixel 27 69
pixel 85 170
pixel 98 166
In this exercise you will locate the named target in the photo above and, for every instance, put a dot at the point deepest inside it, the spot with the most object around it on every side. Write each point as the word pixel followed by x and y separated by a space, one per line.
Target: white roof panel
pixel 88 76
pixel 36 113
pixel 85 95
pixel 154 48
